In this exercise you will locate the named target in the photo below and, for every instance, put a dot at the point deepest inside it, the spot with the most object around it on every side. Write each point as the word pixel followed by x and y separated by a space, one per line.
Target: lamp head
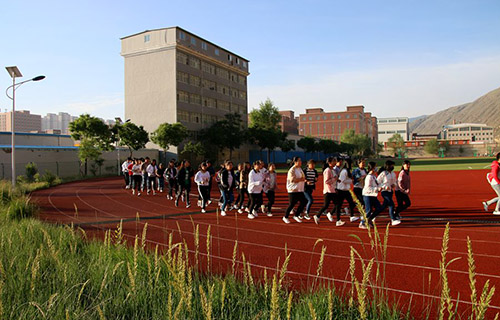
pixel 38 78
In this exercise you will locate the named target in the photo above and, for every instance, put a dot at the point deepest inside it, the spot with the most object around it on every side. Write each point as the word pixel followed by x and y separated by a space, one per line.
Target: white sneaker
pixel 147 192
pixel 255 213
pixel 307 216
pixel 240 211
pixel 250 216
pixel 339 223
pixel 286 220
pixel 138 193
pixel 247 210
pixel 354 218
pixel 316 219
pixel 154 193
pixel 329 216
pixel 362 225
pixel 346 209
pixel 269 214
pixel 199 203
pixel 209 201
pixel 223 213
pixel 297 219
pixel 235 207
pixel 396 222
pixel 485 206
pixel 188 205
pixel 203 211
pixel 496 213
pixel 133 191
pixel 127 187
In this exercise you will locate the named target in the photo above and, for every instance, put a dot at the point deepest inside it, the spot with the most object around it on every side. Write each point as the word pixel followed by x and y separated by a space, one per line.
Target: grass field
pixel 434 164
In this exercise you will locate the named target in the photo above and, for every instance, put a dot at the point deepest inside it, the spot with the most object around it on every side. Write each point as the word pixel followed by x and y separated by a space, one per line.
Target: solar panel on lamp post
pixel 15 73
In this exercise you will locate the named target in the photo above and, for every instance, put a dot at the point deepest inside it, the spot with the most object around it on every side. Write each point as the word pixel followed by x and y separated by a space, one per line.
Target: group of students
pixel 254 181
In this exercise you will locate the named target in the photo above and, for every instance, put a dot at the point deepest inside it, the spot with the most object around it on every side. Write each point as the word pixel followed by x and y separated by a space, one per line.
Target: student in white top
pixel 125 173
pixel 387 181
pixel 151 170
pixel 295 183
pixel 370 193
pixel 493 178
pixel 202 179
pixel 255 185
pixel 270 185
pixel 137 177
pixel 329 190
pixel 344 184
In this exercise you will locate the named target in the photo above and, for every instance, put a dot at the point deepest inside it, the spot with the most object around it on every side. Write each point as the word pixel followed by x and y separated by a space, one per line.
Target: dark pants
pixel 126 177
pixel 293 198
pixel 308 191
pixel 255 201
pixel 370 203
pixel 209 187
pixel 161 182
pixel 327 199
pixel 172 187
pixel 341 196
pixel 227 198
pixel 241 197
pixel 145 182
pixel 183 190
pixel 136 182
pixel 359 194
pixel 388 202
pixel 270 199
pixel 152 182
pixel 203 191
pixel 403 202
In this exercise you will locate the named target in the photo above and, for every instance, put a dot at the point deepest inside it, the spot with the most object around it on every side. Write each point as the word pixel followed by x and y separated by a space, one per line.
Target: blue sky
pixel 397 58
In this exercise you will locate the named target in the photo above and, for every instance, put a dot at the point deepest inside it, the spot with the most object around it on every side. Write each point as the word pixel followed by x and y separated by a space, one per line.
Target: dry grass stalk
pixel 330 304
pixel 35 266
pixel 101 313
pixel 289 306
pixel 119 234
pixel 445 303
pixel 144 236
pixel 81 291
pixel 131 277
pixel 76 210
pixel 206 301
pixel 223 296
pixel 321 261
pixel 169 305
pixel 352 270
pixel 208 248
pixel 310 260
pixel 275 308
pixel 196 245
pixel 284 268
pixel 312 311
pixel 235 253
pixel 245 270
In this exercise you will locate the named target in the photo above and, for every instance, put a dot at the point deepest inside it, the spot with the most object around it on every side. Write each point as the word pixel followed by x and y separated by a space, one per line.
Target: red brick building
pixel 288 122
pixel 330 125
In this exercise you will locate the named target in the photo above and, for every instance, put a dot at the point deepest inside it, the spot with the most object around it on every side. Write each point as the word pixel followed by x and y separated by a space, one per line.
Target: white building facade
pixel 387 127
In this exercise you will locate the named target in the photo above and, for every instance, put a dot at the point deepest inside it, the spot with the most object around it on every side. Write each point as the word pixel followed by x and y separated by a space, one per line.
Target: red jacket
pixel 495 172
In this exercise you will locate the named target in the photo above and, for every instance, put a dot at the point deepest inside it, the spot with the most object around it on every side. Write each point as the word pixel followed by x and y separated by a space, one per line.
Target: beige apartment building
pixel 172 75
pixel 24 121
pixel 469 131
pixel 387 127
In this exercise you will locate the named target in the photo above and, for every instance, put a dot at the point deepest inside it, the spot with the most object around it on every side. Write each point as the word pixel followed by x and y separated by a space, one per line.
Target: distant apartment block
pixel 24 121
pixel 58 121
pixel 288 122
pixel 331 125
pixel 172 75
pixel 474 132
pixel 387 127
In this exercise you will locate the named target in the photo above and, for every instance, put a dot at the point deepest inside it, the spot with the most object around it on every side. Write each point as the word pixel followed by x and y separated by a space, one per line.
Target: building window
pixel 234 77
pixel 207 67
pixel 147 38
pixel 229 57
pixel 237 60
pixel 217 52
pixel 209 102
pixel 223 73
pixel 194 81
pixel 347 116
pixel 195 117
pixel 339 117
pixel 193 41
pixel 243 95
pixel 182 77
pixel 355 116
pixel 223 89
pixel 317 117
pixel 182 116
pixel 207 84
pixel 182 58
pixel 194 98
pixel 204 46
pixel 183 96
pixel 182 35
pixel 310 118
pixel 194 62
pixel 243 109
pixel 223 105
pixel 234 93
pixel 244 64
pixel 304 118
pixel 242 80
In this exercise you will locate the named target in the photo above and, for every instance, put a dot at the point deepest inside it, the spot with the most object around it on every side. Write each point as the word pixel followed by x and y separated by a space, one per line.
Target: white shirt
pixel 387 180
pixel 151 170
pixel 255 181
pixel 295 186
pixel 202 178
pixel 371 187
pixel 125 166
pixel 344 182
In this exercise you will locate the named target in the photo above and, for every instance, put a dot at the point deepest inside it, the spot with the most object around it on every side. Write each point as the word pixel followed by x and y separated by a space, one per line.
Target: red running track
pixel 414 248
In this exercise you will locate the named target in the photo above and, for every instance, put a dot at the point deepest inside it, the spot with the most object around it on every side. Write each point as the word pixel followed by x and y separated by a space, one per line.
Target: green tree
pixel 130 135
pixel 224 134
pixel 434 147
pixel 308 144
pixel 266 117
pixel 397 143
pixel 287 146
pixel 327 146
pixel 268 139
pixel 169 134
pixel 94 136
pixel 194 149
pixel 361 143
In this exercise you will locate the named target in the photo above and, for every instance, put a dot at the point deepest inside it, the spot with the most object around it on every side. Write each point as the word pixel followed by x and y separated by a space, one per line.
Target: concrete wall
pixel 37 139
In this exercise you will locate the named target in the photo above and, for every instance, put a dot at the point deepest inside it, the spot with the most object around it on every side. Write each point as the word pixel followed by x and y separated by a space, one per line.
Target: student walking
pixel 137 177
pixel 130 173
pixel 226 185
pixel 243 187
pixel 311 179
pixel 184 175
pixel 295 182
pixel 145 176
pixel 160 172
pixel 329 191
pixel 370 193
pixel 151 171
pixel 171 177
pixel 270 188
pixel 493 178
pixel 125 172
pixel 387 182
pixel 403 189
pixel 211 170
pixel 358 177
pixel 255 185
pixel 202 179
pixel 344 184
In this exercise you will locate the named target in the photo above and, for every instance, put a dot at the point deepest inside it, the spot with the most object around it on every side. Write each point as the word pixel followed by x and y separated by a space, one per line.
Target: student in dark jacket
pixel 184 176
pixel 171 177
pixel 226 185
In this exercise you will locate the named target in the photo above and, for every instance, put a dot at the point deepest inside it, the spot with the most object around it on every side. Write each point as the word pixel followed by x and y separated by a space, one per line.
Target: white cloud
pixel 388 92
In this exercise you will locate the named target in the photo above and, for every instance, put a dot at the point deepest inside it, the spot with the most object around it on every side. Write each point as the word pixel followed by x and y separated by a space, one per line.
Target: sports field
pixel 413 251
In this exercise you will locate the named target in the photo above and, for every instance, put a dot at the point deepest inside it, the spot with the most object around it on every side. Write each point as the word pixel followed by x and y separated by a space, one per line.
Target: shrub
pixel 31 170
pixel 50 178
pixel 5 192
pixel 20 208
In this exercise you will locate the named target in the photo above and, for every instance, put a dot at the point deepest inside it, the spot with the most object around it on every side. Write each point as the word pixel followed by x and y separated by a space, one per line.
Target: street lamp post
pixel 15 73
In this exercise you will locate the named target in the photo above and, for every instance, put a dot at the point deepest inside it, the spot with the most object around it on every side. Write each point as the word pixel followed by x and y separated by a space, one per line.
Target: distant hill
pixel 486 109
